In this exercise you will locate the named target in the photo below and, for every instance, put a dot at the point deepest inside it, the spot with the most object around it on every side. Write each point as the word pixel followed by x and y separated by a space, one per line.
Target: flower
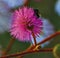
pixel 4 17
pixel 15 3
pixel 5 14
pixel 47 30
pixel 57 7
pixel 25 22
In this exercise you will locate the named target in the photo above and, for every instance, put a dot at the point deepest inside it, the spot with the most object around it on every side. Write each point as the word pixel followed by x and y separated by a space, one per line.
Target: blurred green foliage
pixel 46 8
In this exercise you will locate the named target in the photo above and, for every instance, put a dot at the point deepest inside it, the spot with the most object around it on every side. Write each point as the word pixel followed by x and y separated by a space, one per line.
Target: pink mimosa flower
pixel 24 23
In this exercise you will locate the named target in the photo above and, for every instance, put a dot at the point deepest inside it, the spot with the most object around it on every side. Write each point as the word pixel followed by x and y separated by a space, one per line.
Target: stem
pixel 49 38
pixel 28 49
pixel 34 38
pixel 20 56
pixel 9 46
pixel 26 3
pixel 32 51
pixel 28 52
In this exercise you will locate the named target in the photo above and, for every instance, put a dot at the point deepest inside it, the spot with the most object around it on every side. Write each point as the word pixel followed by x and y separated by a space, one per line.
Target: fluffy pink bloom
pixel 24 23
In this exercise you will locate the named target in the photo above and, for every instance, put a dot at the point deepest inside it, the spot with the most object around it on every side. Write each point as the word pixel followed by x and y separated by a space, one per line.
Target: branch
pixel 9 46
pixel 32 51
pixel 28 52
pixel 49 38
pixel 34 38
pixel 26 3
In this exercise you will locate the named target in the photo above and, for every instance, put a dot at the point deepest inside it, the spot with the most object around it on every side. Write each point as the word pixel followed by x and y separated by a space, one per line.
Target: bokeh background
pixel 47 10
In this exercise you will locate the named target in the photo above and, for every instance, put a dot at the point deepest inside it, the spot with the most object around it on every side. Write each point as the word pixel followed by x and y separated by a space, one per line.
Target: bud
pixel 56 51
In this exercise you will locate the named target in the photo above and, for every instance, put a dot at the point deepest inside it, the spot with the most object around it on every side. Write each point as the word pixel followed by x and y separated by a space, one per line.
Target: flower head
pixel 5 17
pixel 24 23
pixel 14 3
pixel 57 7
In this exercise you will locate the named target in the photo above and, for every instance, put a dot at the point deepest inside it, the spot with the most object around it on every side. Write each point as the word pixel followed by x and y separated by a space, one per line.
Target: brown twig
pixel 26 3
pixel 34 38
pixel 9 46
pixel 30 47
pixel 49 38
pixel 28 52
pixel 32 51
